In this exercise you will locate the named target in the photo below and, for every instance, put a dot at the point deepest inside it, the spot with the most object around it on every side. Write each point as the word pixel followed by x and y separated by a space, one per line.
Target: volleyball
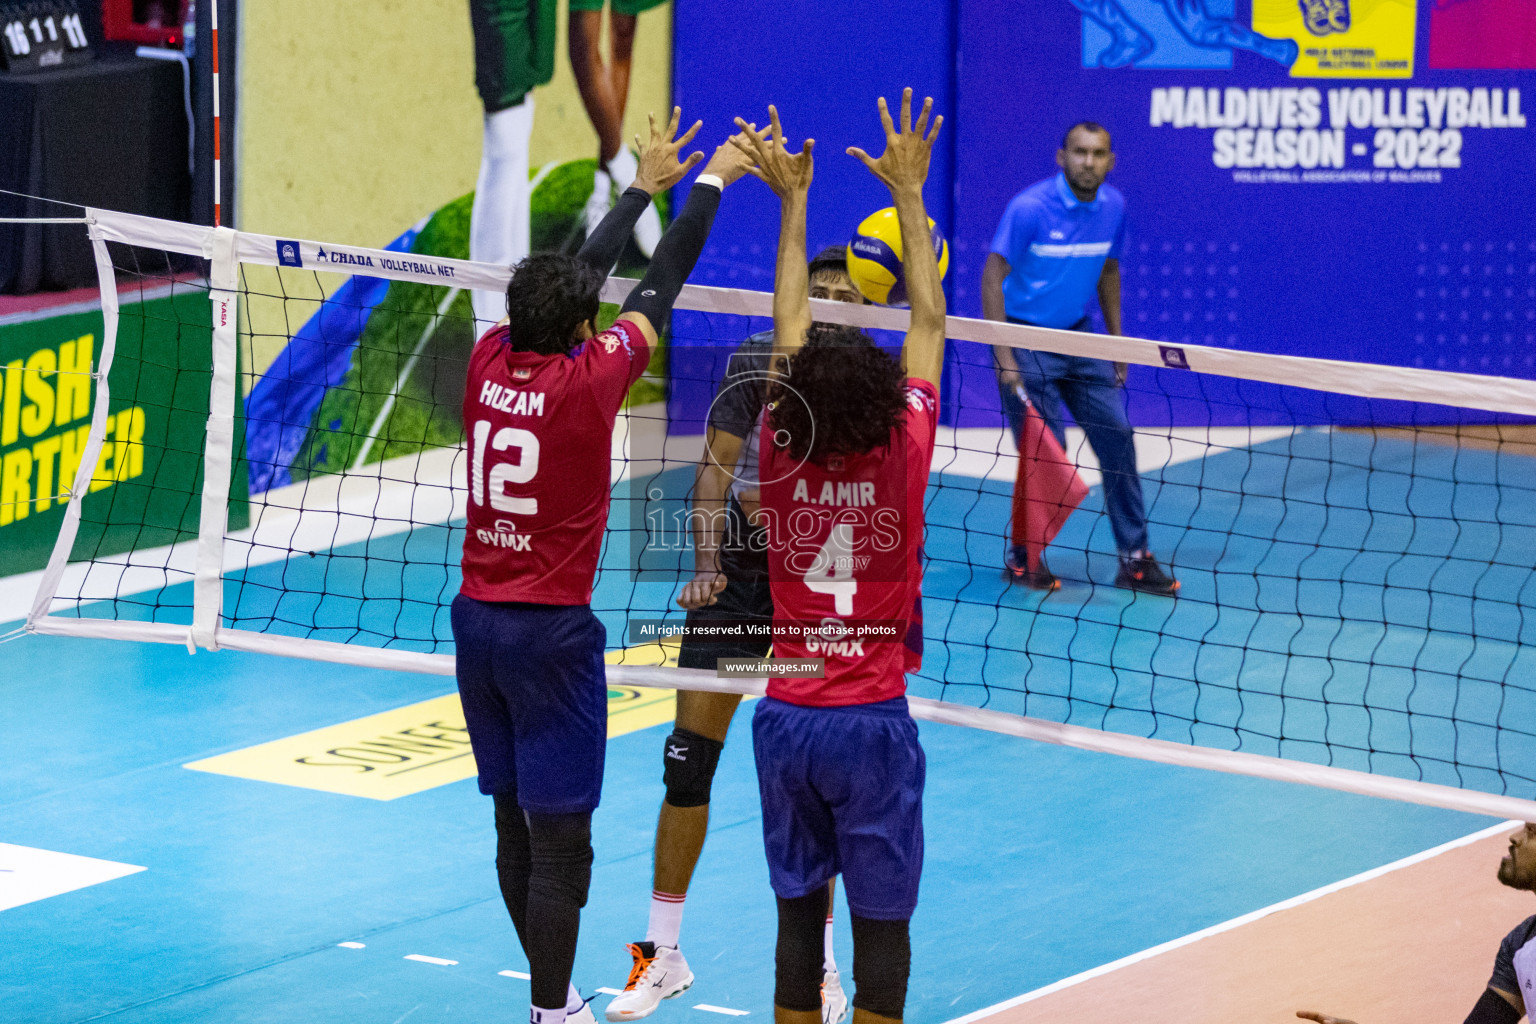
pixel 874 257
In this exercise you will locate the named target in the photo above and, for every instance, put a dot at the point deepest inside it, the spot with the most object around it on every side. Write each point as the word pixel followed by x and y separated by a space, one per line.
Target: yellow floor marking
pixel 420 746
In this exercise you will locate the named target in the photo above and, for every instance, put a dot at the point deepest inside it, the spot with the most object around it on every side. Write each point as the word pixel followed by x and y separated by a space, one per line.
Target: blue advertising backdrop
pixel 1314 177
pixel 823 67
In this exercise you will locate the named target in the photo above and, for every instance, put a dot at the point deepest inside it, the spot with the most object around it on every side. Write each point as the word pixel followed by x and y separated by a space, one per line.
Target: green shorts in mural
pixel 630 7
pixel 514 48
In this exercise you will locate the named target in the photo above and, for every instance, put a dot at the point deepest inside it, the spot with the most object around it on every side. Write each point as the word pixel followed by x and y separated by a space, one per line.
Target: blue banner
pixel 1346 179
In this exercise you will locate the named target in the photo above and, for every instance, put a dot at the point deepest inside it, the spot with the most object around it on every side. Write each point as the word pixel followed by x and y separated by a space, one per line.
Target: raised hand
pixel 904 164
pixel 660 168
pixel 781 170
pixel 731 160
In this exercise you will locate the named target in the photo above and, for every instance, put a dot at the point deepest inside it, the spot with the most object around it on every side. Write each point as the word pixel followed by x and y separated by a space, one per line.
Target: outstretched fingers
pixel 778 129
pixel 688 135
pixel 906 110
pixel 659 137
pixel 921 128
pixel 885 118
pixel 868 160
pixel 938 122
pixel 759 144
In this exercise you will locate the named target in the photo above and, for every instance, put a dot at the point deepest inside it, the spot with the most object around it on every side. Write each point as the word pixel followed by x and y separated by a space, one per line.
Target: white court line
pixel 439 961
pixel 351 945
pixel 28 874
pixel 610 991
pixel 515 974
pixel 1237 922
pixel 721 1009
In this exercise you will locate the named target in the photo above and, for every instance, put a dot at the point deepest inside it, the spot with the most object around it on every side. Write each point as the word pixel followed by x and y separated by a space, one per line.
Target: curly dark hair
pixel 549 297
pixel 843 396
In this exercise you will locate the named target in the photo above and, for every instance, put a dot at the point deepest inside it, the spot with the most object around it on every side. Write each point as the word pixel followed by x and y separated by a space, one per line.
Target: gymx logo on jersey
pixel 505 535
pixel 835 640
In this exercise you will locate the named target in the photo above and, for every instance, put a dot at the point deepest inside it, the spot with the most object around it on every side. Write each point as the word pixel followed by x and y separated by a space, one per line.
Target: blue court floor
pixel 1041 861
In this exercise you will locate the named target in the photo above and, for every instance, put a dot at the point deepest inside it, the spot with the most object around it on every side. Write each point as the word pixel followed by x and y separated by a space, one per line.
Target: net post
pixel 218 450
pixel 106 278
pixel 218 143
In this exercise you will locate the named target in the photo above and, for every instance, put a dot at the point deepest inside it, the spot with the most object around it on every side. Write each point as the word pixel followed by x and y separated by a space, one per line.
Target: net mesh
pixel 139 511
pixel 1355 571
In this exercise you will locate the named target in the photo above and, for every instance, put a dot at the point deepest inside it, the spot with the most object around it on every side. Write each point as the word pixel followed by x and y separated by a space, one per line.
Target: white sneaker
pixel 834 1001
pixel 648 231
pixel 598 205
pixel 659 973
pixel 581 1016
pixel 622 169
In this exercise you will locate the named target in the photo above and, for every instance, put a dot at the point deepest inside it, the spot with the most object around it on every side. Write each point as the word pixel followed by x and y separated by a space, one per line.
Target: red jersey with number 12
pixel 540 431
pixel 843 545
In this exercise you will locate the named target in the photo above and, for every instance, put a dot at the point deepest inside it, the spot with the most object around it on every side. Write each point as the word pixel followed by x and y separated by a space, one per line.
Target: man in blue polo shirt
pixel 1058 243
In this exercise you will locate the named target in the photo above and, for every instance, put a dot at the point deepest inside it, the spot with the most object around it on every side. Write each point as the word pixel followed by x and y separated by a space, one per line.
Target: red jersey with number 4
pixel 540 431
pixel 843 564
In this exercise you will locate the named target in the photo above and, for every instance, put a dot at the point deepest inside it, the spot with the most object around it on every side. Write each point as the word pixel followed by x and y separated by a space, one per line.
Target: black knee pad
pixel 882 961
pixel 690 761
pixel 561 855
pixel 799 956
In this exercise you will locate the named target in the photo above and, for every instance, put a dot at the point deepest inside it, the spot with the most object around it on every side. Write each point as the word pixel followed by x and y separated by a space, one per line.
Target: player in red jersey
pixel 729 585
pixel 543 390
pixel 846 449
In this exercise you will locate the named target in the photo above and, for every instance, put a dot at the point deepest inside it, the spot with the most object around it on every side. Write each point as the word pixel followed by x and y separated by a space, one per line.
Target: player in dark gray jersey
pixel 729 585
pixel 1504 1001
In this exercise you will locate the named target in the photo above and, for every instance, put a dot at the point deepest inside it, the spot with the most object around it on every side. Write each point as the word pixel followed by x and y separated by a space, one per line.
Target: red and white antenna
pixel 213 12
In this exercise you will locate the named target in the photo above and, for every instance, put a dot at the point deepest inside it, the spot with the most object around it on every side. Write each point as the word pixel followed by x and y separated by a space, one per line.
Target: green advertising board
pixel 145 490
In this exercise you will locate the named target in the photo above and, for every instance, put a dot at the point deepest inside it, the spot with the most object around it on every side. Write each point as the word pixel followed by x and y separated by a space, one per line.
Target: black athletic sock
pixel 560 875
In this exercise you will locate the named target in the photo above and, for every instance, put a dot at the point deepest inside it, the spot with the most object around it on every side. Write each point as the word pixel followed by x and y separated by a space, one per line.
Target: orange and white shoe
pixel 659 973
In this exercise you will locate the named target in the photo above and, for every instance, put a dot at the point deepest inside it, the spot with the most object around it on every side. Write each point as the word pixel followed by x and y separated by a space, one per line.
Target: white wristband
pixel 714 181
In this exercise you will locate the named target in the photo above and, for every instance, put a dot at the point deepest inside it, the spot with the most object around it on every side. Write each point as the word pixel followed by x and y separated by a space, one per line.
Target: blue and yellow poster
pixel 1342 38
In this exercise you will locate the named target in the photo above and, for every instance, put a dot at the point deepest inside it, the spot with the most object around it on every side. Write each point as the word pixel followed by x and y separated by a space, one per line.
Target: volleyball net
pixel 1354 542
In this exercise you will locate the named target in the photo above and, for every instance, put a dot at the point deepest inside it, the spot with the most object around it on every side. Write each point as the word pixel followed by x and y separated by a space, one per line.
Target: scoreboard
pixel 42 34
